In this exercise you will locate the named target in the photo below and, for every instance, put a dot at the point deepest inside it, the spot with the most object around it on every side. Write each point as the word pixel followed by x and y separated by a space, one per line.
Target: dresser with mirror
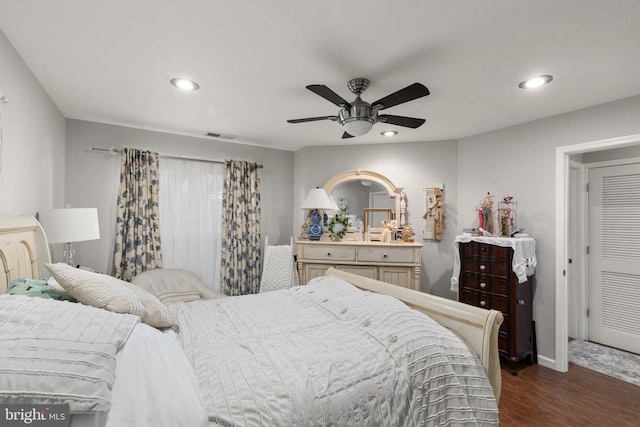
pixel 368 196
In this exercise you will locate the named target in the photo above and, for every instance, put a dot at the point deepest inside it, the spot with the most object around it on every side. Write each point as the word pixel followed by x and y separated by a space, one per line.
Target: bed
pixel 343 350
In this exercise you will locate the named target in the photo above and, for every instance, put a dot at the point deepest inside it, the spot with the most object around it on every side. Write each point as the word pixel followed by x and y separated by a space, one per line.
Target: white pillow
pixel 174 285
pixel 102 291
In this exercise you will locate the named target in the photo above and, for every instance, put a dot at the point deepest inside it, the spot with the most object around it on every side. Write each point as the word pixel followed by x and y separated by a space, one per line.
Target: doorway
pixel 614 242
pixel 562 245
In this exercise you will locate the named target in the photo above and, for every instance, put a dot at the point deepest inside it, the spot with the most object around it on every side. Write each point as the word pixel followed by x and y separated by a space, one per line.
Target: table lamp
pixel 317 200
pixel 70 225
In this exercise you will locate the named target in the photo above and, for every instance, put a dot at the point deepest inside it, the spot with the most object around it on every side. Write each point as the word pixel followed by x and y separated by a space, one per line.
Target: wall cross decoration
pixel 434 212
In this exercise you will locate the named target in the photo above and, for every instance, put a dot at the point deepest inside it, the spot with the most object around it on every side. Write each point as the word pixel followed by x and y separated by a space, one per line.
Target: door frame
pixel 561 242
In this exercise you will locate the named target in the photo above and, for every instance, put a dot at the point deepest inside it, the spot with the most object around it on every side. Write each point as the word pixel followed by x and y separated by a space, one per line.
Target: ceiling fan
pixel 359 116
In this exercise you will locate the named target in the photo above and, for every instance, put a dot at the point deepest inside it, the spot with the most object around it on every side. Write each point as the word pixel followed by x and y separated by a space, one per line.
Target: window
pixel 190 202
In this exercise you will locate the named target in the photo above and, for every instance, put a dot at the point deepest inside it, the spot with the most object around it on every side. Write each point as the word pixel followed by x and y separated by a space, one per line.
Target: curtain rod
pixel 115 151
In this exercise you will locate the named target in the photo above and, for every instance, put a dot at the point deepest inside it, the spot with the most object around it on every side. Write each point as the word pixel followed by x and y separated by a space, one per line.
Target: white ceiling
pixel 111 61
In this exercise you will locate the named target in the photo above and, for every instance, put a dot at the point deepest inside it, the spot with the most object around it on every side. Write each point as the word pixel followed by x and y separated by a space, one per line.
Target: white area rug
pixel 606 360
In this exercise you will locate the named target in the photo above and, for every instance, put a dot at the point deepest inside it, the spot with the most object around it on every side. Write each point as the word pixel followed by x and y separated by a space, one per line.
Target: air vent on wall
pixel 219 135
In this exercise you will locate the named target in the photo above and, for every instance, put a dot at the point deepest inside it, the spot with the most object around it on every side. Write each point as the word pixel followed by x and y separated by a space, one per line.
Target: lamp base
pixel 68 254
pixel 315 227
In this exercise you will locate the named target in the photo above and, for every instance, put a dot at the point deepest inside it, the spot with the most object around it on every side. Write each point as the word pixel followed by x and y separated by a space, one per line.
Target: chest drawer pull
pixel 483 267
pixel 483 303
pixel 384 255
pixel 521 301
pixel 328 253
pixel 483 285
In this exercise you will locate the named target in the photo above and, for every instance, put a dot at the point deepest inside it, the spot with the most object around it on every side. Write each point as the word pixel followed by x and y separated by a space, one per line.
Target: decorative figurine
pixel 485 214
pixel 507 215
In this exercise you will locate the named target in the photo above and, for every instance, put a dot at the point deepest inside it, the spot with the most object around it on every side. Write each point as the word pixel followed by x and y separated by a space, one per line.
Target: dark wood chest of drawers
pixel 487 280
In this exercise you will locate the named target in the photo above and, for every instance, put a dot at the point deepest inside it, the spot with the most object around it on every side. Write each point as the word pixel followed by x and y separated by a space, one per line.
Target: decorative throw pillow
pixel 102 291
pixel 38 288
pixel 174 285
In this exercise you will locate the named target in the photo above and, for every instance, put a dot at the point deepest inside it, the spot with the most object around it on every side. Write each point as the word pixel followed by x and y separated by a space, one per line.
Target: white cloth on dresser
pixel 524 255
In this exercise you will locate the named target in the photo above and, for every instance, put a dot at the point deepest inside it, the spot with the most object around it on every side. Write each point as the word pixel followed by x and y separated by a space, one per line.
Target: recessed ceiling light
pixel 535 82
pixel 389 133
pixel 185 84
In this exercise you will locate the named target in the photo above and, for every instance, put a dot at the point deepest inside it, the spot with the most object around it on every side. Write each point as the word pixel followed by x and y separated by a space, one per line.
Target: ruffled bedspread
pixel 328 354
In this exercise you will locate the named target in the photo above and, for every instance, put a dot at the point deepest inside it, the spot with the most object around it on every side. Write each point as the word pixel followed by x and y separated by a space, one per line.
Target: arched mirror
pixel 361 189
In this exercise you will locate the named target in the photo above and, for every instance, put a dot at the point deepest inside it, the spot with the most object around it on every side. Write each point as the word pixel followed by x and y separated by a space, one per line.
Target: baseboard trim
pixel 547 362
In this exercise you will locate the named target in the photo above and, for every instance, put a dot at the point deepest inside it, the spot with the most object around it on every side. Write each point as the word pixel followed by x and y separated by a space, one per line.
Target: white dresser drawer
pixel 386 254
pixel 330 253
pixel 398 264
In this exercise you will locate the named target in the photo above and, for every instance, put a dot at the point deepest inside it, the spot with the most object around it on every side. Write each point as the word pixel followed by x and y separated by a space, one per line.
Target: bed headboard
pixel 23 249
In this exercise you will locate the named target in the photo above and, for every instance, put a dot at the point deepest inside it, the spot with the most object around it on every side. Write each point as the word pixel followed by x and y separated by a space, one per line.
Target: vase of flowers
pixel 507 215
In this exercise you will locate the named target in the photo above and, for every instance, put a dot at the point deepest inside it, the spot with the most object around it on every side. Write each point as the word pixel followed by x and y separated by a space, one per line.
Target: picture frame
pixel 376 216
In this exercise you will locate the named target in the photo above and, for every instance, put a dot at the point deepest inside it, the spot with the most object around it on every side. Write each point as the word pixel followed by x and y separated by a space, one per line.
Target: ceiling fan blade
pixel 409 93
pixel 313 119
pixel 346 135
pixel 409 122
pixel 329 95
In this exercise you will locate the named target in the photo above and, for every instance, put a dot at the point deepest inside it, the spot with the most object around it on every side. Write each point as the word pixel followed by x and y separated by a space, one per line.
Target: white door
pixel 576 251
pixel 614 259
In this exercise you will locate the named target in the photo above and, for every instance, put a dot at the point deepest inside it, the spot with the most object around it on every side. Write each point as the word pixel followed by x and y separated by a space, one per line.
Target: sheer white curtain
pixel 191 217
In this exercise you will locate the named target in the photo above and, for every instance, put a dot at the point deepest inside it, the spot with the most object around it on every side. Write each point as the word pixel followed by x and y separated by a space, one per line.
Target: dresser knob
pixel 521 301
pixel 328 253
pixel 483 285
pixel 384 255
pixel 482 267
pixel 483 303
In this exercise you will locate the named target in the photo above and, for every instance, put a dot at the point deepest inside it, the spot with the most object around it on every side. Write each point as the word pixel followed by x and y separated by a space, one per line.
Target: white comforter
pixel 330 354
pixel 110 369
pixel 59 352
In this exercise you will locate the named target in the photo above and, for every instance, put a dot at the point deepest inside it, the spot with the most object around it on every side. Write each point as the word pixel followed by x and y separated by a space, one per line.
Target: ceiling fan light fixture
pixel 184 84
pixel 357 126
pixel 535 82
pixel 358 117
pixel 389 133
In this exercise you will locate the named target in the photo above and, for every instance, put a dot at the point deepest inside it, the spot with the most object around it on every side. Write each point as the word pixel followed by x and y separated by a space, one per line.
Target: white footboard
pixel 476 326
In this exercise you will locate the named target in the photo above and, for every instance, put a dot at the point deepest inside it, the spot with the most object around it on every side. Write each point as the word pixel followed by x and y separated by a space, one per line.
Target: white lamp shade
pixel 318 199
pixel 335 205
pixel 70 225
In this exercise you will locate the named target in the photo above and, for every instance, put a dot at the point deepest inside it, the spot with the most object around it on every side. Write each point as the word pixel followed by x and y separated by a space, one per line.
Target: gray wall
pixel 520 161
pixel 39 173
pixel 614 154
pixel 92 178
pixel 33 130
pixel 408 165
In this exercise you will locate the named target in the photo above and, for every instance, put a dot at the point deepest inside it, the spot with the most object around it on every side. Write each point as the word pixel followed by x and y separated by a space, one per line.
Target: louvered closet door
pixel 614 259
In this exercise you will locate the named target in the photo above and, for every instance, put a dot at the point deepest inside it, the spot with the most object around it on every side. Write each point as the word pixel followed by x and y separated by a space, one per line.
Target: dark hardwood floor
pixel 540 396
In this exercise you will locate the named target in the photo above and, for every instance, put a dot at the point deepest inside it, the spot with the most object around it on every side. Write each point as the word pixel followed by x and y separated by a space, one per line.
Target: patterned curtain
pixel 240 229
pixel 137 243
